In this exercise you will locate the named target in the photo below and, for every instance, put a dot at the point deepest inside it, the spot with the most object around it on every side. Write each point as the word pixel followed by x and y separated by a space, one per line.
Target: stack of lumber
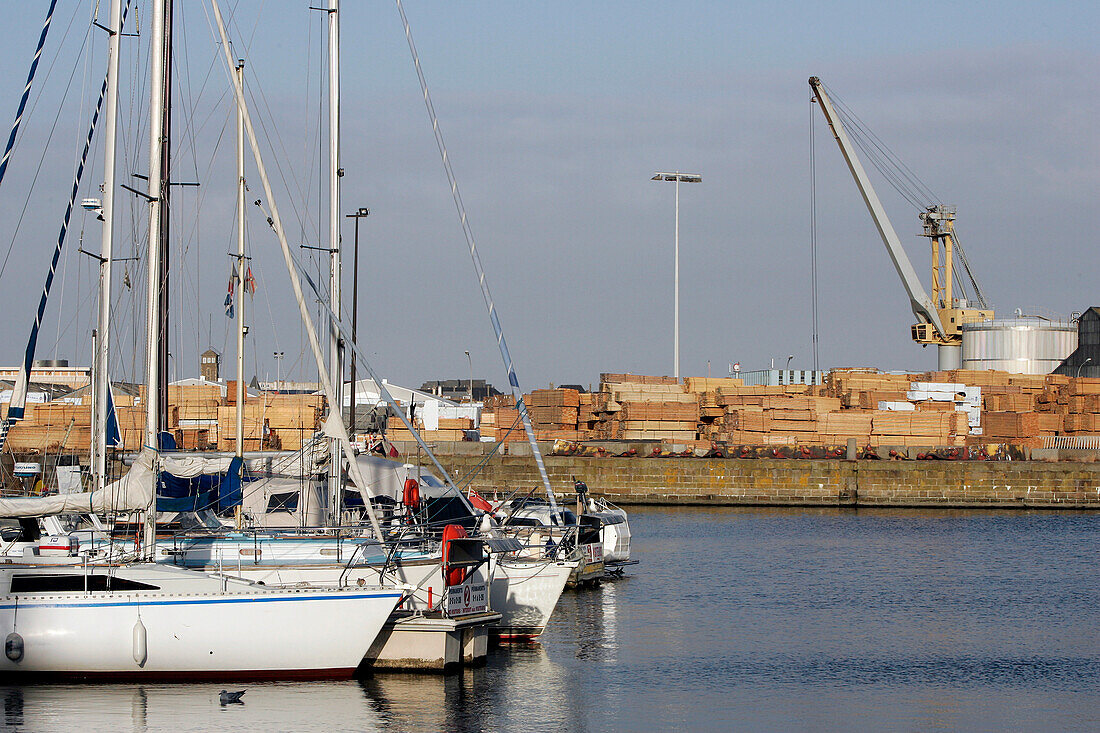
pixel 641 407
pixel 945 408
pixel 502 423
pixel 554 413
pixel 918 428
pixel 396 430
pixel 1076 402
pixel 865 388
pixel 56 426
pixel 771 415
pixel 272 420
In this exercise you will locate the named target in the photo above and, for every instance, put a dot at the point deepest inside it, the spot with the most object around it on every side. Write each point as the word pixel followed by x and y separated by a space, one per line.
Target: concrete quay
pixel 784 482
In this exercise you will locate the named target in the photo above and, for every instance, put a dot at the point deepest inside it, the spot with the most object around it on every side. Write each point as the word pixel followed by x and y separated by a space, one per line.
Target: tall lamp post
pixel 278 371
pixel 359 214
pixel 1082 366
pixel 470 359
pixel 677 177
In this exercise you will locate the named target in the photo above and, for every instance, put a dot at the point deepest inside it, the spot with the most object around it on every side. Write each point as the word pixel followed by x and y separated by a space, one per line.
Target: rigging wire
pixel 27 90
pixel 46 146
pixel 900 176
pixel 467 231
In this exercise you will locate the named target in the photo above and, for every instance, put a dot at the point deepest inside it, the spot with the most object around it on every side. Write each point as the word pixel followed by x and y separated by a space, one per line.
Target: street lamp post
pixel 677 177
pixel 1082 366
pixel 471 361
pixel 278 371
pixel 359 214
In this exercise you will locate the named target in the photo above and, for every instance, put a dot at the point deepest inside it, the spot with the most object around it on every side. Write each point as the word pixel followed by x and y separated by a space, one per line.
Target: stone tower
pixel 210 365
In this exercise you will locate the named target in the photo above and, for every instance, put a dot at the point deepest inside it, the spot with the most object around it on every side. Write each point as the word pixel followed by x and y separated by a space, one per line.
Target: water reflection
pixel 737 618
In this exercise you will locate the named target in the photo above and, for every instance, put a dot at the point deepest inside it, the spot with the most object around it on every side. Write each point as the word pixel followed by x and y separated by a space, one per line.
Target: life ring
pixel 452 576
pixel 411 495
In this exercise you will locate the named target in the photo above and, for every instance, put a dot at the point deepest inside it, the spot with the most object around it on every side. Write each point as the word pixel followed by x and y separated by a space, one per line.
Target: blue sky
pixel 555 116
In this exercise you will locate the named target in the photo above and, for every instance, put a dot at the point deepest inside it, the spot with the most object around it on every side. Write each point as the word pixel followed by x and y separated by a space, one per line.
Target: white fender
pixel 141 644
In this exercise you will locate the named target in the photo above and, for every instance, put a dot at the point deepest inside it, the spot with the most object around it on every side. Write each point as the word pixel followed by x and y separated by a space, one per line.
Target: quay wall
pixel 777 482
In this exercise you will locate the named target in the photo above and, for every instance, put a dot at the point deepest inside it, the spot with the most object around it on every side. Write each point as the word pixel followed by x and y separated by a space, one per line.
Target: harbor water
pixel 755 619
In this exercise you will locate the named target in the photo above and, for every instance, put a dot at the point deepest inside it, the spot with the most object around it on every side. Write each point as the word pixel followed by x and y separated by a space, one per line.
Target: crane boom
pixel 922 305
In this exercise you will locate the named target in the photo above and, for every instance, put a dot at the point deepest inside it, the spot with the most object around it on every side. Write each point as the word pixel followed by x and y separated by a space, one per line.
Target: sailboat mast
pixel 333 425
pixel 165 218
pixel 336 346
pixel 157 63
pixel 103 328
pixel 240 268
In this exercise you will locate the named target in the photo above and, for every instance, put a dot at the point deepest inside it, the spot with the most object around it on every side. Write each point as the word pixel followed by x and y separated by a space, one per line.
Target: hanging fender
pixel 452 576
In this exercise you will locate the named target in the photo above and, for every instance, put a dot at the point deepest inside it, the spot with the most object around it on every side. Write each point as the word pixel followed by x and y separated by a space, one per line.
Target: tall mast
pixel 157 64
pixel 336 347
pixel 165 218
pixel 240 267
pixel 103 328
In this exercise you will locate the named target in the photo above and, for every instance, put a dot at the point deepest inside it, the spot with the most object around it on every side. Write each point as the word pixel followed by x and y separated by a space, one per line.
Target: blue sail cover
pixel 114 435
pixel 206 491
pixel 229 495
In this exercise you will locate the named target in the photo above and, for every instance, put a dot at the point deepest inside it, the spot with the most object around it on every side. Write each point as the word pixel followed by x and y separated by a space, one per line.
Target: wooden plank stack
pixel 554 413
pixel 641 407
pixel 272 421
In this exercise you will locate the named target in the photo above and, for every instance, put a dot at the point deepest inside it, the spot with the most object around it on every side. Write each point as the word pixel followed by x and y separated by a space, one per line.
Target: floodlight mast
pixel 678 178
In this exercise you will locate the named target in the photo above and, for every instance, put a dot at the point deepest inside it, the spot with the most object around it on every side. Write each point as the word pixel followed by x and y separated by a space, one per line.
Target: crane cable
pixel 813 234
pixel 902 179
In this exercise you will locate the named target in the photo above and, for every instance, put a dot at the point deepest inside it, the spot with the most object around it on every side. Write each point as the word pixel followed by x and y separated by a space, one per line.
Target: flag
pixel 249 282
pixel 229 298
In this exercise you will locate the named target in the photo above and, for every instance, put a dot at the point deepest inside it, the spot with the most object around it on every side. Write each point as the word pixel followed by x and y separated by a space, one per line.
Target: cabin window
pixel 73 582
pixel 287 502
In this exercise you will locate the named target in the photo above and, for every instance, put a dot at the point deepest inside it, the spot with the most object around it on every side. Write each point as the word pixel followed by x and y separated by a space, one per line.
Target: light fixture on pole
pixel 359 214
pixel 470 359
pixel 278 371
pixel 677 177
pixel 1082 366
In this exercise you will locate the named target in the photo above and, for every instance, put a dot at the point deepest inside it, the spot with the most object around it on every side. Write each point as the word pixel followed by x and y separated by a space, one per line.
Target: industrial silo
pixel 1021 345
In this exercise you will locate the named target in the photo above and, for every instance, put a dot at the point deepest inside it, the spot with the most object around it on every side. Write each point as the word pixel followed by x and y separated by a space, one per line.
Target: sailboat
pixel 90 616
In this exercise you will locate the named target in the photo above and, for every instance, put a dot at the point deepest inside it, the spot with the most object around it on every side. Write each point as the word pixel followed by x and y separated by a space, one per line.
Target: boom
pixel 922 305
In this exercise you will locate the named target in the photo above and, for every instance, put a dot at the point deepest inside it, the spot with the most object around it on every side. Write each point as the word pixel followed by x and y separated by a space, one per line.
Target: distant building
pixel 51 371
pixel 458 390
pixel 1085 360
pixel 210 364
pixel 287 387
pixel 777 377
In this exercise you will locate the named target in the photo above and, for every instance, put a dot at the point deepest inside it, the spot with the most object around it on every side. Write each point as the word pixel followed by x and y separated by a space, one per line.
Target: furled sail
pixel 130 493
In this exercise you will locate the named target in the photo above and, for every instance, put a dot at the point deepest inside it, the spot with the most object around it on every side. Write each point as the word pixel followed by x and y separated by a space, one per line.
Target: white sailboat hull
pixel 200 628
pixel 526 593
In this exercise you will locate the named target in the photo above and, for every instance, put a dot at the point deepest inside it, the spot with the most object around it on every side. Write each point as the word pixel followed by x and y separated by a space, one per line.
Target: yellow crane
pixel 940 317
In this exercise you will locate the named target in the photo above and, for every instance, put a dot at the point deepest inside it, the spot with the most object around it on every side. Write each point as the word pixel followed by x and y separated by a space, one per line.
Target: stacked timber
pixel 64 427
pixel 772 415
pixel 554 413
pixel 271 421
pixel 1077 402
pixel 502 423
pixel 642 407
pixel 197 415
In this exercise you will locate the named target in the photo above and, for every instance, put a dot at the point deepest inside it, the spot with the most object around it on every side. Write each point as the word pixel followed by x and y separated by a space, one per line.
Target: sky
pixel 556 116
